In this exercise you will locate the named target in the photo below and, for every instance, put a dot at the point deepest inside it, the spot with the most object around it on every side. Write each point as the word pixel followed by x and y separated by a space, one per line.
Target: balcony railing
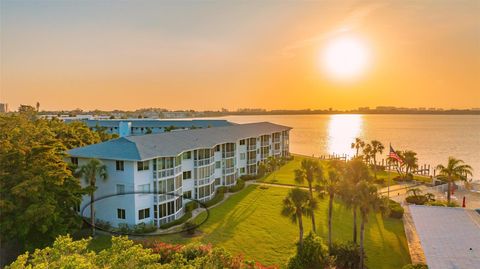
pixel 228 154
pixel 204 181
pixel 251 147
pixel 229 170
pixel 169 172
pixel 205 161
pixel 251 161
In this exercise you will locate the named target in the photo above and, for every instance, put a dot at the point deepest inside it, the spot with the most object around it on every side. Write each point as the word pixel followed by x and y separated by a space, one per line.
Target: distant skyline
pixel 236 54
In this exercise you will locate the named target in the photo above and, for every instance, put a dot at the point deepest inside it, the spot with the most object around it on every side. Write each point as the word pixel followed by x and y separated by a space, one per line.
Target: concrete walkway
pixel 414 247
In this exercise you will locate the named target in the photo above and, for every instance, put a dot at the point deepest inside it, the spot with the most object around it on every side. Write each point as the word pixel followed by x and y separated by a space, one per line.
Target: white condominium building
pixel 174 167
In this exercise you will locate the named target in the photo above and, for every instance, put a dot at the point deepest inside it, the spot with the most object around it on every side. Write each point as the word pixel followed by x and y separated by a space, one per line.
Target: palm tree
pixel 367 153
pixel 414 191
pixel 295 206
pixel 90 171
pixel 330 186
pixel 410 160
pixel 377 147
pixel 456 169
pixel 311 172
pixel 357 145
pixel 272 164
pixel 368 200
pixel 355 171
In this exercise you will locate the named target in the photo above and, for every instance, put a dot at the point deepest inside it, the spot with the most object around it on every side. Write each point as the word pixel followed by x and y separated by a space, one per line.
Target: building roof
pixel 450 237
pixel 144 147
pixel 154 123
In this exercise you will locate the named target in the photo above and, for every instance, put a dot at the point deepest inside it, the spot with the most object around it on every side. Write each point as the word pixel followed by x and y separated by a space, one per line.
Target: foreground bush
pixel 124 253
pixel 218 197
pixel 347 255
pixel 314 254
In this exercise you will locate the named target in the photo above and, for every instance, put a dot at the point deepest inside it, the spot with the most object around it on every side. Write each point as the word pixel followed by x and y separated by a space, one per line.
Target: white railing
pixel 205 161
pixel 229 170
pixel 228 154
pixel 204 181
pixel 251 161
pixel 251 147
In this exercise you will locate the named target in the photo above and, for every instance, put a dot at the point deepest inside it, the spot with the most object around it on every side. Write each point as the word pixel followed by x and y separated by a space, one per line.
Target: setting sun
pixel 345 57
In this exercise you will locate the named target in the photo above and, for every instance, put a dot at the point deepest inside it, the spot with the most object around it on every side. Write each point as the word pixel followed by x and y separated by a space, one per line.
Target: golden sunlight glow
pixel 345 57
pixel 342 130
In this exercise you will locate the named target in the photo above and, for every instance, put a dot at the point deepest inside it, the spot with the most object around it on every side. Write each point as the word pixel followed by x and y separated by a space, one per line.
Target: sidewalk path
pixel 414 247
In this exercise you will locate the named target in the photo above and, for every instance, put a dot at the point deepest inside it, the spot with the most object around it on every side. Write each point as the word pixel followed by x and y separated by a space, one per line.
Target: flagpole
pixel 388 181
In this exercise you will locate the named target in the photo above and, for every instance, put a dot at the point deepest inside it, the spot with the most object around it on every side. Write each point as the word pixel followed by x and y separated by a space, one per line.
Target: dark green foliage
pixel 190 206
pixel 217 198
pixel 181 220
pixel 189 227
pixel 418 199
pixel 347 255
pixel 313 254
pixel 396 210
pixel 37 190
pixel 141 228
pixel 239 186
pixel 248 177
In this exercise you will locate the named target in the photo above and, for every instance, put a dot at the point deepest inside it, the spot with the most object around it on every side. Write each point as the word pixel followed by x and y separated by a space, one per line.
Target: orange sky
pixel 209 55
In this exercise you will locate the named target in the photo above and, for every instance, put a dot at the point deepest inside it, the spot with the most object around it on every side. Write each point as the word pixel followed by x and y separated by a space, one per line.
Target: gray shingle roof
pixel 144 147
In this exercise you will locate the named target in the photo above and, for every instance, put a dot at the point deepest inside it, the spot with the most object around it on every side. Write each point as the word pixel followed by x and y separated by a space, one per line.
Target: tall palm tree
pixel 296 205
pixel 355 171
pixel 90 171
pixel 330 187
pixel 357 145
pixel 367 153
pixel 410 160
pixel 311 172
pixel 456 169
pixel 272 164
pixel 368 200
pixel 376 147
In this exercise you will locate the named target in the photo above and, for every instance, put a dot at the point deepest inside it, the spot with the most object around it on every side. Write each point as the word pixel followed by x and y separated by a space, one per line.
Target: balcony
pixel 229 170
pixel 251 147
pixel 251 161
pixel 228 154
pixel 169 172
pixel 204 181
pixel 205 161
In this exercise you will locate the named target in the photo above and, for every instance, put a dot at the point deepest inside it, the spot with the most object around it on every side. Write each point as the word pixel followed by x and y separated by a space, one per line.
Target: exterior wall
pixel 209 169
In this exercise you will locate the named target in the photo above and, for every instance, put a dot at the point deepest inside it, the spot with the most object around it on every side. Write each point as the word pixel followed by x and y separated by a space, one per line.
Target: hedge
pixel 181 220
pixel 239 186
pixel 396 210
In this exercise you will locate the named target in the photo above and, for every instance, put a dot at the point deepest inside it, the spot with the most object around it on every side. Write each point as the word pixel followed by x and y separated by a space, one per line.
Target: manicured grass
pixel 250 223
pixel 285 175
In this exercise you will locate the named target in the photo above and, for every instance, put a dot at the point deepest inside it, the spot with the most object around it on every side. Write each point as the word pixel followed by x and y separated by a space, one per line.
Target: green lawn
pixel 250 223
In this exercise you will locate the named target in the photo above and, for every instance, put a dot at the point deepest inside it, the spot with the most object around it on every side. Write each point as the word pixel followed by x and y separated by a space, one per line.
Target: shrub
pixel 396 210
pixel 190 206
pixel 142 228
pixel 415 266
pixel 239 186
pixel 418 200
pixel 189 227
pixel 442 203
pixel 248 177
pixel 347 255
pixel 313 255
pixel 218 197
pixel 181 220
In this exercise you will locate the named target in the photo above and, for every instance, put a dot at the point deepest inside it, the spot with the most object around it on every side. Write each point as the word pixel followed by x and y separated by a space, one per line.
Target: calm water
pixel 433 137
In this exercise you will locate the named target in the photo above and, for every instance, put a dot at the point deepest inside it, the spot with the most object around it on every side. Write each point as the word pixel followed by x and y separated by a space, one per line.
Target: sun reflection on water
pixel 342 130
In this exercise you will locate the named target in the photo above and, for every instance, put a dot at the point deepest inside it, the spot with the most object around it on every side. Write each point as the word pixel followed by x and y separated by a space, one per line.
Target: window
pixel 144 213
pixel 218 164
pixel 120 189
pixel 187 195
pixel 242 142
pixel 242 170
pixel 217 148
pixel 141 166
pixel 187 155
pixel 119 165
pixel 217 181
pixel 187 175
pixel 74 160
pixel 120 213
pixel 242 156
pixel 144 188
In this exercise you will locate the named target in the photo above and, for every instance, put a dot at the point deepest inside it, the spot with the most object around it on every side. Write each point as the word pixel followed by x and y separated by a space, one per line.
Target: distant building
pixel 3 107
pixel 152 177
pixel 127 127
